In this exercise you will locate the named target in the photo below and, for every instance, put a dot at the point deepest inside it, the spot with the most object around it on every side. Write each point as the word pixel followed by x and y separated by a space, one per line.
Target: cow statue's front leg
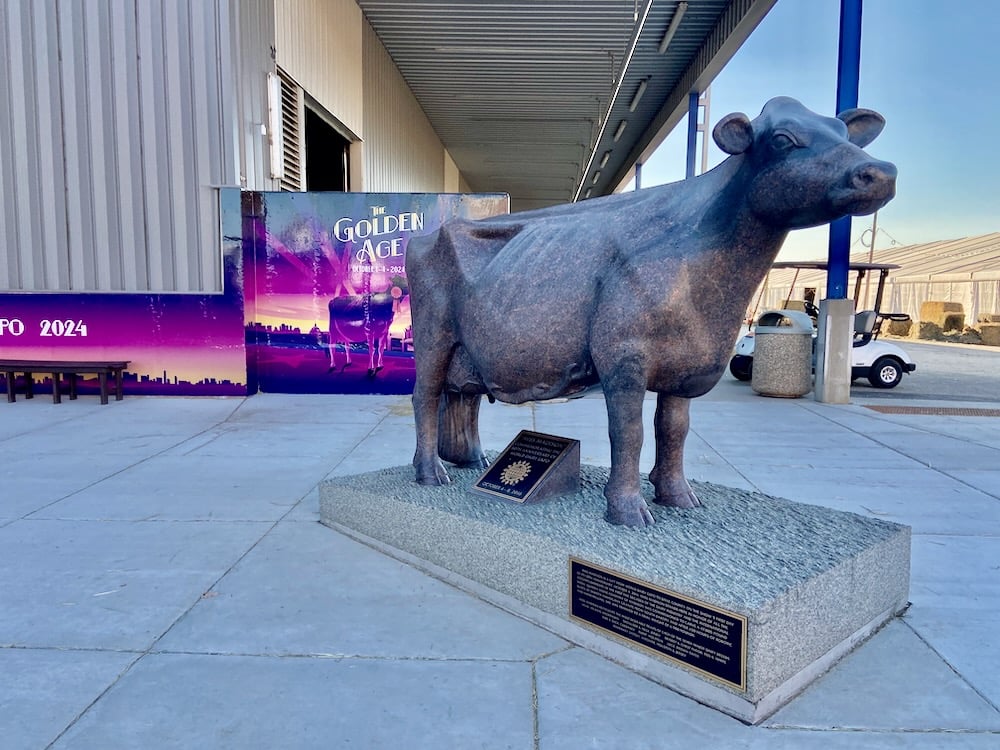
pixel 671 428
pixel 624 396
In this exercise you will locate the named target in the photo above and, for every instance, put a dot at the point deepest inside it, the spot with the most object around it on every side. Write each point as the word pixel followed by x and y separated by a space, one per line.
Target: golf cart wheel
pixel 741 366
pixel 885 373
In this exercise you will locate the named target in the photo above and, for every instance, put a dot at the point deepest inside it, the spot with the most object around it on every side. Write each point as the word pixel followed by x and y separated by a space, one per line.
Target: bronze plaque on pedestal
pixel 533 467
pixel 709 640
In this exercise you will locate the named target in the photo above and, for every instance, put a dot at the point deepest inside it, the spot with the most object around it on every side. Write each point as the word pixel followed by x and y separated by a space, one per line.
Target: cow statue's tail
pixel 458 429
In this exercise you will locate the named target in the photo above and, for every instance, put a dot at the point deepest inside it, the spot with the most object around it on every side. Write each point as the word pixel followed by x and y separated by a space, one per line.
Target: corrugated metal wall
pixel 402 151
pixel 318 43
pixel 118 119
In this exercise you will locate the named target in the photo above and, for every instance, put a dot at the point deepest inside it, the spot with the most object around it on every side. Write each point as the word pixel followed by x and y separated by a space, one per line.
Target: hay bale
pixel 899 327
pixel 948 316
pixel 931 331
pixel 970 336
pixel 990 334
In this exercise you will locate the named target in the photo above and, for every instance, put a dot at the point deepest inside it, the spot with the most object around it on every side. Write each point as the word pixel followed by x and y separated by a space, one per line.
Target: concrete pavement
pixel 164 583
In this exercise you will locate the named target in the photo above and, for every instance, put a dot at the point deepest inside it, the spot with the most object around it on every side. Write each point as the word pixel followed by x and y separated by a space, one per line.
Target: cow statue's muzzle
pixel 869 187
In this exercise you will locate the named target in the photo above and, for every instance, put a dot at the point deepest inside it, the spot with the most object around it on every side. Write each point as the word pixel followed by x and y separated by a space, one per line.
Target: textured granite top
pixel 741 547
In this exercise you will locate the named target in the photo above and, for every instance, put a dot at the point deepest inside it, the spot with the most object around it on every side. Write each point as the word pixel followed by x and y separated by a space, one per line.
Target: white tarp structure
pixel 965 270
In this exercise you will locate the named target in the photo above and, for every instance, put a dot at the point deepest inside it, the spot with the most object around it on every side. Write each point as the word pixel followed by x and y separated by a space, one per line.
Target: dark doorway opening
pixel 326 155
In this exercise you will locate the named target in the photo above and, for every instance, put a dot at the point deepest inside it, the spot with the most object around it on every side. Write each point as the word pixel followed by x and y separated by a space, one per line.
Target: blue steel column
pixel 692 145
pixel 848 74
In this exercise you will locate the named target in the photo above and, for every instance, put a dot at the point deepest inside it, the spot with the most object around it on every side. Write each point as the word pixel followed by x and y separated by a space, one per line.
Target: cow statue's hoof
pixel 433 473
pixel 482 463
pixel 630 510
pixel 675 494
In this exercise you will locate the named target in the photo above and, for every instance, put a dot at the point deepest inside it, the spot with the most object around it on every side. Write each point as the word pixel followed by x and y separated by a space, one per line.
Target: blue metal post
pixel 848 75
pixel 638 175
pixel 692 145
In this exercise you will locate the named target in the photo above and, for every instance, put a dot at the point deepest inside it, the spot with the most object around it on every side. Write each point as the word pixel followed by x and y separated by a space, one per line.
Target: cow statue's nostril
pixel 873 173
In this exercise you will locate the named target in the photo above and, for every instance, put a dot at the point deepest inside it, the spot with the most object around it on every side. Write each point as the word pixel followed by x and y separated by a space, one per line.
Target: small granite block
pixel 811 582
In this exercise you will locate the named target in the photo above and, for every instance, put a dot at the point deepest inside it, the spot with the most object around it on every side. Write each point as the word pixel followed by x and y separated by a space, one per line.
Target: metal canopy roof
pixel 966 259
pixel 528 96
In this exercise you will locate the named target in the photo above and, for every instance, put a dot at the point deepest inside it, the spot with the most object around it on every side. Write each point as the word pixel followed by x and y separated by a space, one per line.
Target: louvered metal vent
pixel 292 114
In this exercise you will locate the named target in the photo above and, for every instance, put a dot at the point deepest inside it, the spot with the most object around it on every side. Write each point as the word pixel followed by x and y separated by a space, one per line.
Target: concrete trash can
pixel 782 355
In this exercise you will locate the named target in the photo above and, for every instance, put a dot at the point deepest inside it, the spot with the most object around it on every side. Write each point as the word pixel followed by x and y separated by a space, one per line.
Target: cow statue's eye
pixel 783 142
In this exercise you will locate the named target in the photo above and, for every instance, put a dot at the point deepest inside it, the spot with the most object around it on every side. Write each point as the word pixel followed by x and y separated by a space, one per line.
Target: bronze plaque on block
pixel 533 467
pixel 709 640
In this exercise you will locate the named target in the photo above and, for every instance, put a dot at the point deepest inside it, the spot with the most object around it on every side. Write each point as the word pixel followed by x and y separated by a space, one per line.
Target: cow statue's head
pixel 806 169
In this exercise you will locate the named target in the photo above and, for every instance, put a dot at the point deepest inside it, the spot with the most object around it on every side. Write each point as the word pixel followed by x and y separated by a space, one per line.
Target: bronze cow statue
pixel 642 291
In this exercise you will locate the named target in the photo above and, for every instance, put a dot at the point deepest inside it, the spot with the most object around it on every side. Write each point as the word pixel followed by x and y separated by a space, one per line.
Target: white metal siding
pixel 402 151
pixel 452 178
pixel 318 43
pixel 252 60
pixel 116 126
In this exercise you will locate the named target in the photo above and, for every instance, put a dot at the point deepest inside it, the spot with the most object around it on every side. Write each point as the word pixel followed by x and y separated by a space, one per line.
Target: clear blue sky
pixel 931 68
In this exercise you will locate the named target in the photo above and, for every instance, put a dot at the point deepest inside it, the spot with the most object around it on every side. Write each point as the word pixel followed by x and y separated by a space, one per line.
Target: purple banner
pixel 176 344
pixel 328 309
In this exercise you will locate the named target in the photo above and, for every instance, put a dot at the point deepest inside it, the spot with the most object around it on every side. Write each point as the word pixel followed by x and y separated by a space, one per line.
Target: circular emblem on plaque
pixel 515 473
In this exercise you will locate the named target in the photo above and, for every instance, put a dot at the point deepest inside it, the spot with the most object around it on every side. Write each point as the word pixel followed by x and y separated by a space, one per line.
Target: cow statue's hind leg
pixel 624 392
pixel 671 427
pixel 433 343
pixel 458 430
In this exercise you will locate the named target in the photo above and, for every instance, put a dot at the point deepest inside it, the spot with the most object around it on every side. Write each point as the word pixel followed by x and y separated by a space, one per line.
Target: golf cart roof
pixel 822 265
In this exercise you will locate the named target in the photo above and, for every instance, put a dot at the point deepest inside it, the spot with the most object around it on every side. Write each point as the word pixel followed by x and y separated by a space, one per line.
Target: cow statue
pixel 642 291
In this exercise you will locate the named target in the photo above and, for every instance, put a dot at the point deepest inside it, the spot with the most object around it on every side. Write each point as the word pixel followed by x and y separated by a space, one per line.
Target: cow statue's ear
pixel 734 133
pixel 863 125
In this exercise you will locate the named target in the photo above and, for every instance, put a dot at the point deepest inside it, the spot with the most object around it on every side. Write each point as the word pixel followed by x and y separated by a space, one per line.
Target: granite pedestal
pixel 811 582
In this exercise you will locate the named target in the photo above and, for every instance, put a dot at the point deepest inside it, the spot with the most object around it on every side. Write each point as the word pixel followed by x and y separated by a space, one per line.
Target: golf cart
pixel 881 362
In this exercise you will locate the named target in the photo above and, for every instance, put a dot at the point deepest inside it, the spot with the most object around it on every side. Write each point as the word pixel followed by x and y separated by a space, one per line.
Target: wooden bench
pixel 71 369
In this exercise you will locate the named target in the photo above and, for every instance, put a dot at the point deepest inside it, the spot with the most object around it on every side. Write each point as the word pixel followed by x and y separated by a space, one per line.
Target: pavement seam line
pixel 100 696
pixel 152 647
pixel 950 666
pixel 725 460
pixel 536 739
pixel 898 452
pixel 27 516
pixel 350 453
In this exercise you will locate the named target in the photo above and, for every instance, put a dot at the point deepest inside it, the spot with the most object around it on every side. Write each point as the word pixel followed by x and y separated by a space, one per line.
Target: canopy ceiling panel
pixel 529 96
